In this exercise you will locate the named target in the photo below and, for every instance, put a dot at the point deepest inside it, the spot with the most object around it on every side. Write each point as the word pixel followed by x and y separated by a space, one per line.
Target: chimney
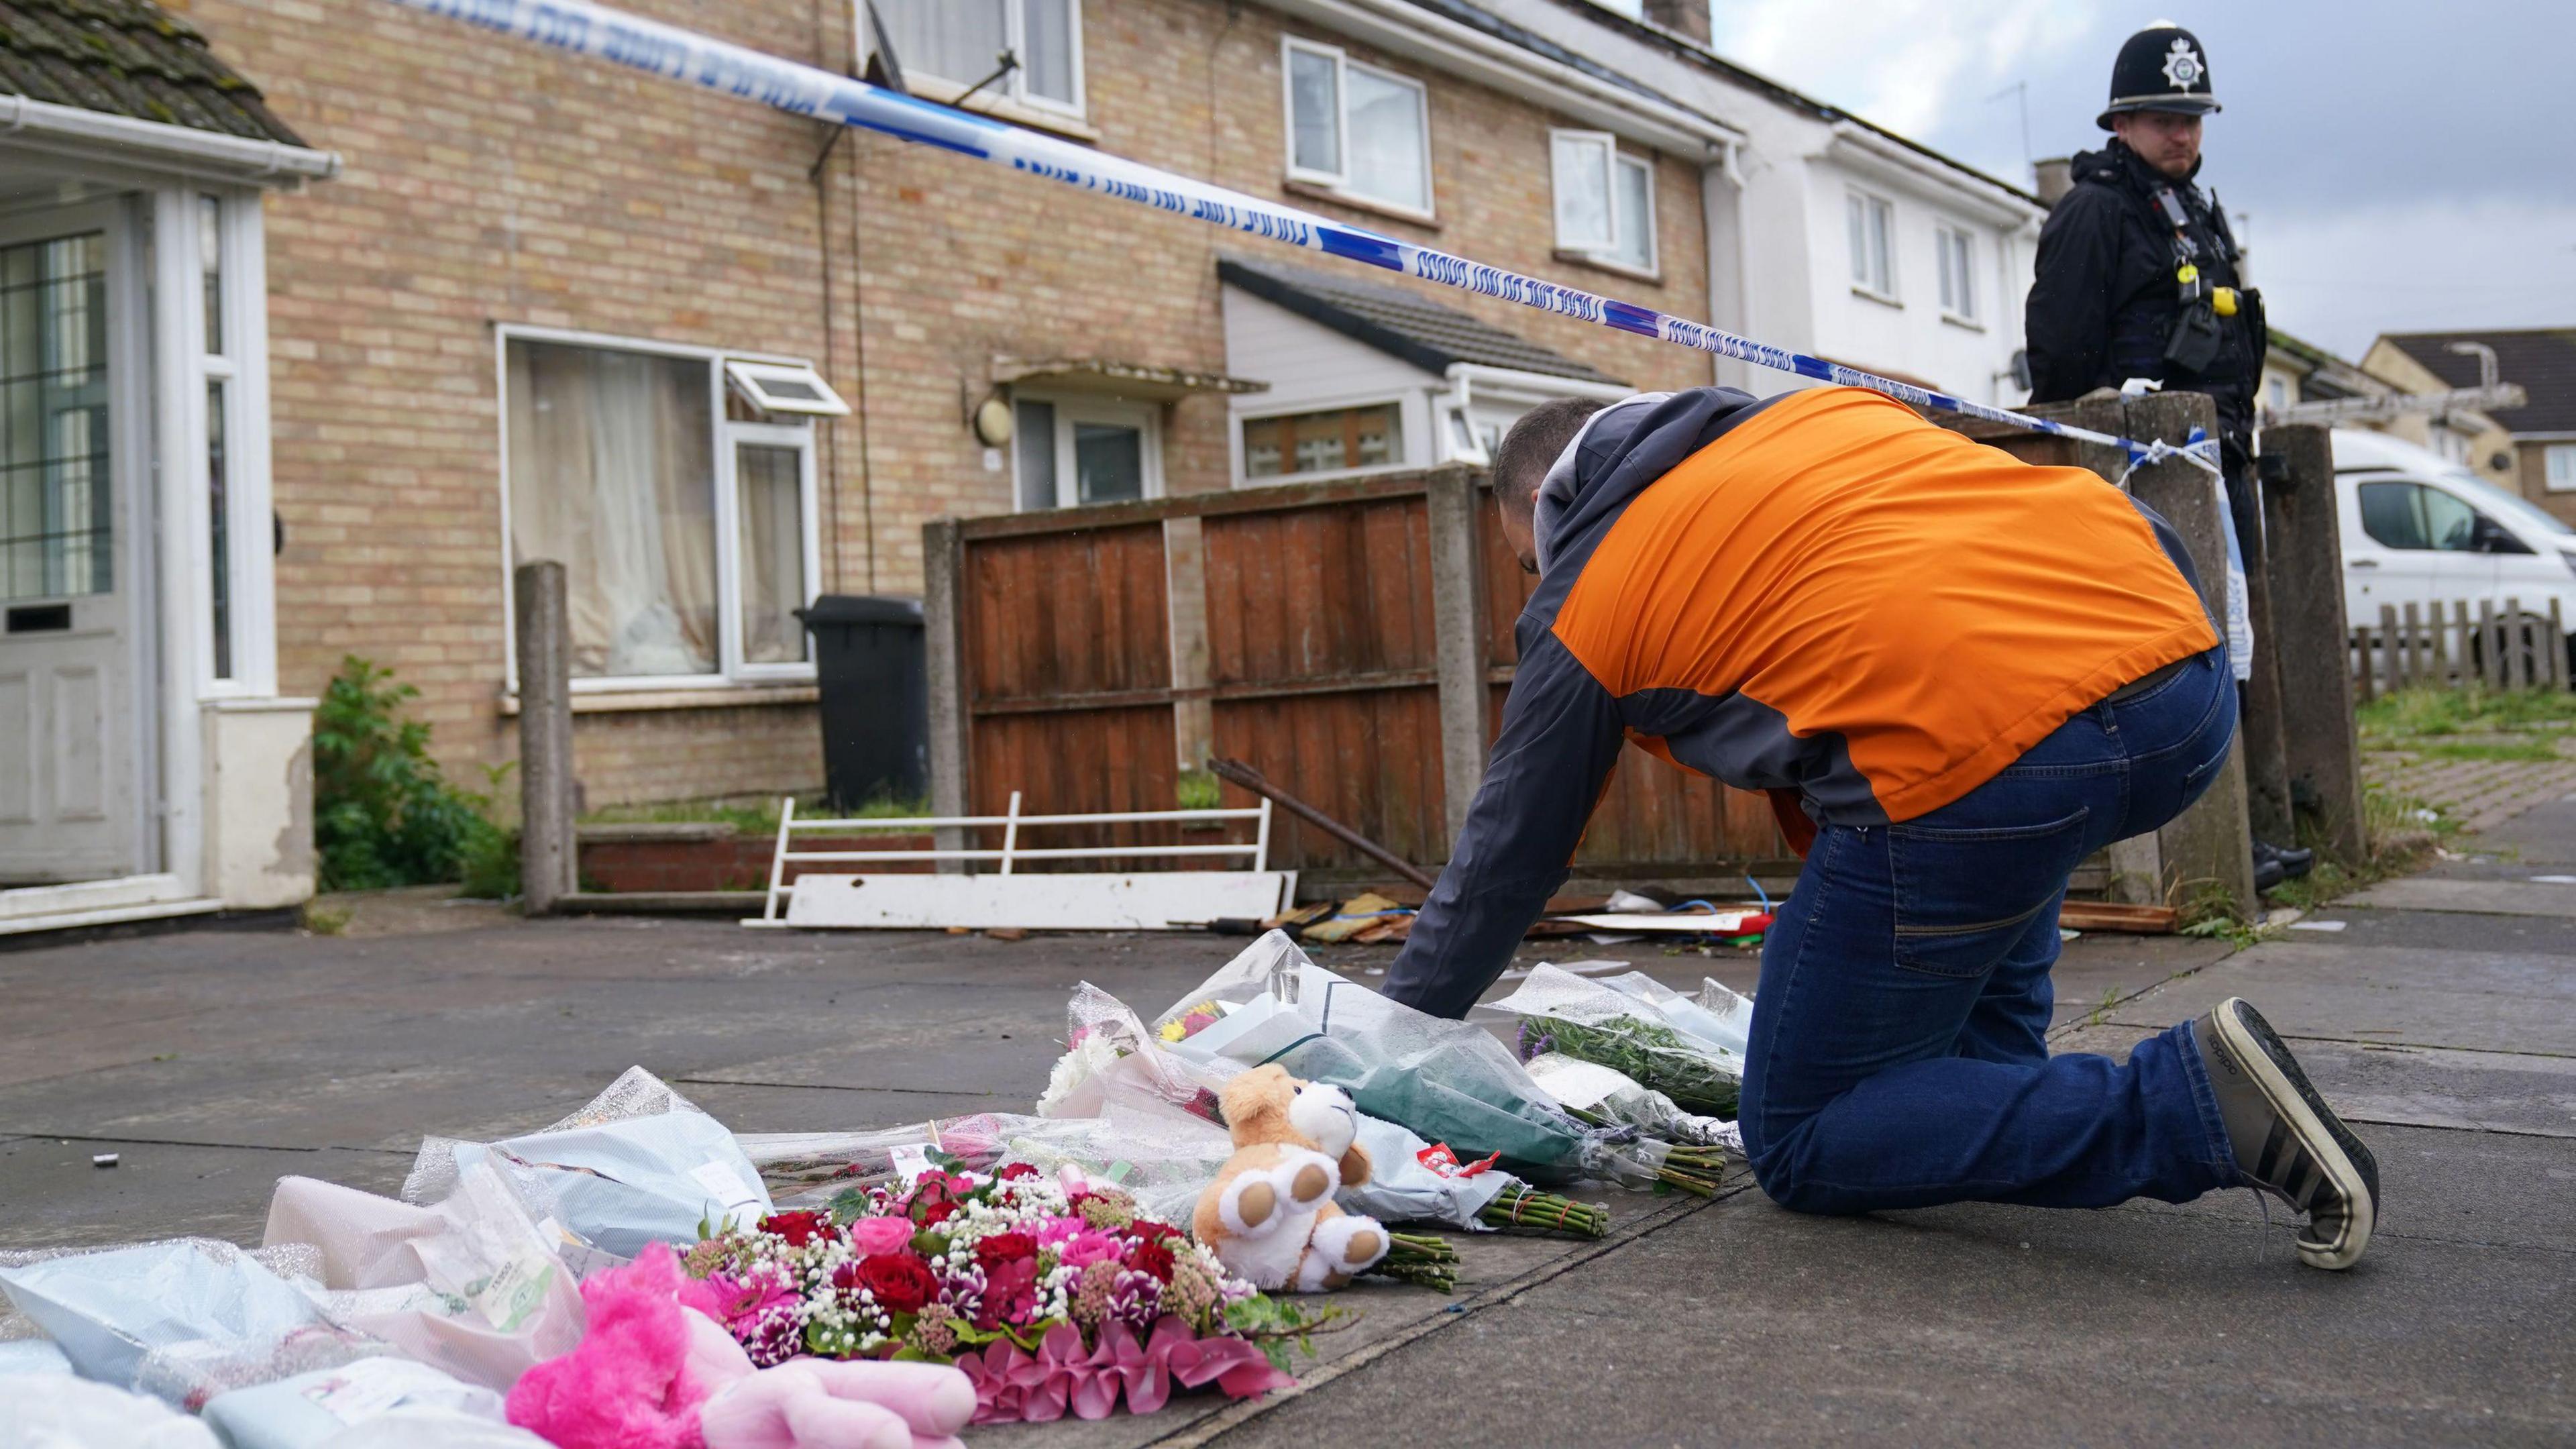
pixel 2054 178
pixel 1683 17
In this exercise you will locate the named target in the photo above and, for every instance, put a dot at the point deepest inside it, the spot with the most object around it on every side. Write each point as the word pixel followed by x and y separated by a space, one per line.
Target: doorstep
pixel 74 920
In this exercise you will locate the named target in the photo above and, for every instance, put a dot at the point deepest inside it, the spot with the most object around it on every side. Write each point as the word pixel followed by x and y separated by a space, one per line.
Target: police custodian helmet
pixel 2162 68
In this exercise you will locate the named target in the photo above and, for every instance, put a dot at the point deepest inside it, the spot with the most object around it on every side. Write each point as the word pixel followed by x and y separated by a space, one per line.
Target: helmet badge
pixel 2183 66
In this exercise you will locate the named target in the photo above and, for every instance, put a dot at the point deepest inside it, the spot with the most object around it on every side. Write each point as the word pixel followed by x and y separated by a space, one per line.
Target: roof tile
pixel 2541 359
pixel 128 58
pixel 1398 322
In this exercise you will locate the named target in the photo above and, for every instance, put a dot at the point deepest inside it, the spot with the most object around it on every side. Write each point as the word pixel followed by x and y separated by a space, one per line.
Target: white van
pixel 2419 529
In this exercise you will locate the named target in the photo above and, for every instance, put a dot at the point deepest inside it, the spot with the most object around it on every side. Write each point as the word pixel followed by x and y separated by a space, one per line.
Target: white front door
pixel 74 713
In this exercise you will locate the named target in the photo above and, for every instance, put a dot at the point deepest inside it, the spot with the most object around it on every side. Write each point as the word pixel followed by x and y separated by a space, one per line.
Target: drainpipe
pixel 1730 166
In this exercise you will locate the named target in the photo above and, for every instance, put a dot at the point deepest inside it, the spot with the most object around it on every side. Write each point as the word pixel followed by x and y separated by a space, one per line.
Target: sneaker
pixel 2288 1142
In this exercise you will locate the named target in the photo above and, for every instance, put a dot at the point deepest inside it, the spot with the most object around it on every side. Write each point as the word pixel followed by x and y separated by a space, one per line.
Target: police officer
pixel 2137 278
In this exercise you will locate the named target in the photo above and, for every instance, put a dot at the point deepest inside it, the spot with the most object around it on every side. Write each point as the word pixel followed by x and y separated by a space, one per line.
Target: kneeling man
pixel 1957 675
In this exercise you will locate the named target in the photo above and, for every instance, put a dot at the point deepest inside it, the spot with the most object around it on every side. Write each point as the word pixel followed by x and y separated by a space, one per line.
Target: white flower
pixel 1088 1058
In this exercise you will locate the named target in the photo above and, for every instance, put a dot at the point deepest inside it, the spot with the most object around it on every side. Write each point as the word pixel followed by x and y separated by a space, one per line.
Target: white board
pixel 1142 901
pixel 1724 923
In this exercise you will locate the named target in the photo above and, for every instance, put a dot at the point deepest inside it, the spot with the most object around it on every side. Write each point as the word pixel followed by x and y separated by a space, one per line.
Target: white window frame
pixel 1945 236
pixel 730 671
pixel 1013 88
pixel 1604 251
pixel 1338 179
pixel 1073 407
pixel 2558 468
pixel 731 436
pixel 752 379
pixel 1865 278
pixel 1243 452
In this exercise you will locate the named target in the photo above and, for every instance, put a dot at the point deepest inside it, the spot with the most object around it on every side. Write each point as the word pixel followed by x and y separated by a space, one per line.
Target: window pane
pixel 1387 162
pixel 1949 288
pixel 2450 524
pixel 955 40
pixel 612 473
pixel 2561 462
pixel 770 482
pixel 56 518
pixel 1583 202
pixel 2389 515
pixel 1108 462
pixel 1967 276
pixel 219 555
pixel 1856 220
pixel 1046 49
pixel 1315 113
pixel 1321 442
pixel 210 268
pixel 1033 434
pixel 1882 223
pixel 1636 214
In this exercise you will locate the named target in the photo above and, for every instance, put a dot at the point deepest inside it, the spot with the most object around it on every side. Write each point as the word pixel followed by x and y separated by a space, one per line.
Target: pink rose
pixel 1086 1249
pixel 1058 1230
pixel 870 1236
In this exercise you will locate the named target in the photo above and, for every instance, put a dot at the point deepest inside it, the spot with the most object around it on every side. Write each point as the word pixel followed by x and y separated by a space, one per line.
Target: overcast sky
pixel 2404 166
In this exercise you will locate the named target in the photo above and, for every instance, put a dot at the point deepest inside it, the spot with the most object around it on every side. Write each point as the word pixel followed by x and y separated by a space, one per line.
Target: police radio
pixel 2193 343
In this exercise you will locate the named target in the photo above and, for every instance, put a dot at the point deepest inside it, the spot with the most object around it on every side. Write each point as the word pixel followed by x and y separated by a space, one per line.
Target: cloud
pixel 2341 277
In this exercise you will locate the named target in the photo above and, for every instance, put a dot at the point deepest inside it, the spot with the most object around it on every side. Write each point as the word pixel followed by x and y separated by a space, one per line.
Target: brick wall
pixel 491 182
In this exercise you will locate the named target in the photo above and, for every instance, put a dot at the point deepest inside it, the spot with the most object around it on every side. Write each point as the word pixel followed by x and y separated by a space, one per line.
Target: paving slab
pixel 2464 1000
pixel 1980 1324
pixel 2476 897
pixel 2545 833
pixel 2481 1091
pixel 54 1198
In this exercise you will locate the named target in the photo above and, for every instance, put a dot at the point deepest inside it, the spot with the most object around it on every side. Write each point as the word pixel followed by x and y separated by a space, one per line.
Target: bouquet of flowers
pixel 1630 1032
pixel 1055 1296
pixel 1446 1080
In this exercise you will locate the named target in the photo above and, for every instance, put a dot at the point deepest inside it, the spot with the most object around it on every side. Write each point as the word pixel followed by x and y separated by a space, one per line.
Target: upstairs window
pixel 1354 128
pixel 1605 202
pixel 1958 254
pixel 2558 464
pixel 1873 244
pixel 963 41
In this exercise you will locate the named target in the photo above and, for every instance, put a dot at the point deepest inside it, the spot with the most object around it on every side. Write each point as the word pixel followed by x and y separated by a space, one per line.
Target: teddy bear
pixel 1269 1215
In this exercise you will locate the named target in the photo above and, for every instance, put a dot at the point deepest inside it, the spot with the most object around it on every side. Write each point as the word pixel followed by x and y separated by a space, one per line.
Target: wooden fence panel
pixel 1054 617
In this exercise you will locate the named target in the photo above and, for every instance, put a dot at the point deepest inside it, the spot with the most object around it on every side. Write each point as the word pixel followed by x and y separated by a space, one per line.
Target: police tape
pixel 582 28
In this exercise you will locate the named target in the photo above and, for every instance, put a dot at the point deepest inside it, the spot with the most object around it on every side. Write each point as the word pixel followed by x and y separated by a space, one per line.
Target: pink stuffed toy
pixel 652 1373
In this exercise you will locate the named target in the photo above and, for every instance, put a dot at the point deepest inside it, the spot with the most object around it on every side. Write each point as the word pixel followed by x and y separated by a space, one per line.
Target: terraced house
pixel 323 313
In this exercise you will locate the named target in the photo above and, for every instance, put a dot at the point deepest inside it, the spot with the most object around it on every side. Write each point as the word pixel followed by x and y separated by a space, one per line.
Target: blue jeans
pixel 1899 1051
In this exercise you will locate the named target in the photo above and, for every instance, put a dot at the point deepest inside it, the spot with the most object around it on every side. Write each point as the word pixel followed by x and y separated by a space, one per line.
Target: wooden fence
pixel 2448 645
pixel 1351 639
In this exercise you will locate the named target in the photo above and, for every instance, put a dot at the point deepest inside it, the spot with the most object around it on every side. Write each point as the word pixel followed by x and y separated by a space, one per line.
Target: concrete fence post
pixel 2209 847
pixel 549 858
pixel 943 613
pixel 2305 565
pixel 1458 629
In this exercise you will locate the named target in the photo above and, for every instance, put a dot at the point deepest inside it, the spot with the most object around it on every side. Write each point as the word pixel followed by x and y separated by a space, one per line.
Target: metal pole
pixel 1253 780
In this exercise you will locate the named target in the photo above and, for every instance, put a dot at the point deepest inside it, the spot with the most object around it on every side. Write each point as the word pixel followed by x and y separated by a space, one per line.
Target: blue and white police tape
pixel 582 28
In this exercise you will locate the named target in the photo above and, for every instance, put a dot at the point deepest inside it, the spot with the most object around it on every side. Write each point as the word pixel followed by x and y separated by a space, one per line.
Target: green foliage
pixel 2399 719
pixel 1199 790
pixel 1279 1325
pixel 383 814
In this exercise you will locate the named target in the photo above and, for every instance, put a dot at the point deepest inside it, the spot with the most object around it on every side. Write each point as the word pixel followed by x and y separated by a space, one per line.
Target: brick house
pixel 2530 450
pixel 719 359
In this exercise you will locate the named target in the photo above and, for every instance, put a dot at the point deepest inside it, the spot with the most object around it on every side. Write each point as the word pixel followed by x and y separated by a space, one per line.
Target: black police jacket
pixel 2105 298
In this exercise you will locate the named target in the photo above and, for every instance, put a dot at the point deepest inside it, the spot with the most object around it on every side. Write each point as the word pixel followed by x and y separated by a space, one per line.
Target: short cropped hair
pixel 1532 447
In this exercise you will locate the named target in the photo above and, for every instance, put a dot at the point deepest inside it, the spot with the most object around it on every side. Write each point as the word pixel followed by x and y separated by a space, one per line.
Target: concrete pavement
pixel 214 1062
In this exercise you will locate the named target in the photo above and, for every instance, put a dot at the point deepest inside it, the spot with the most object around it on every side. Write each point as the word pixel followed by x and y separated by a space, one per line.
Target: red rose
pixel 1151 1258
pixel 1005 1248
pixel 797 1228
pixel 1014 1171
pixel 900 1282
pixel 1148 1230
pixel 935 1214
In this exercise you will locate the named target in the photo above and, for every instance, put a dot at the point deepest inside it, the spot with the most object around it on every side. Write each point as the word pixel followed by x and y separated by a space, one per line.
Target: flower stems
pixel 1522 1206
pixel 1420 1259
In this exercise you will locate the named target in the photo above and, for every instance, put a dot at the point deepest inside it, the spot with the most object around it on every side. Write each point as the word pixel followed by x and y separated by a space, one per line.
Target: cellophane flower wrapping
pixel 1056 1295
pixel 640 1164
pixel 1607 1092
pixel 182 1318
pixel 1444 1080
pixel 1630 1030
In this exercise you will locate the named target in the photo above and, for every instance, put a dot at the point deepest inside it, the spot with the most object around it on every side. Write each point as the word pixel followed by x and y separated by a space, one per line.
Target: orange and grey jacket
pixel 1819 595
